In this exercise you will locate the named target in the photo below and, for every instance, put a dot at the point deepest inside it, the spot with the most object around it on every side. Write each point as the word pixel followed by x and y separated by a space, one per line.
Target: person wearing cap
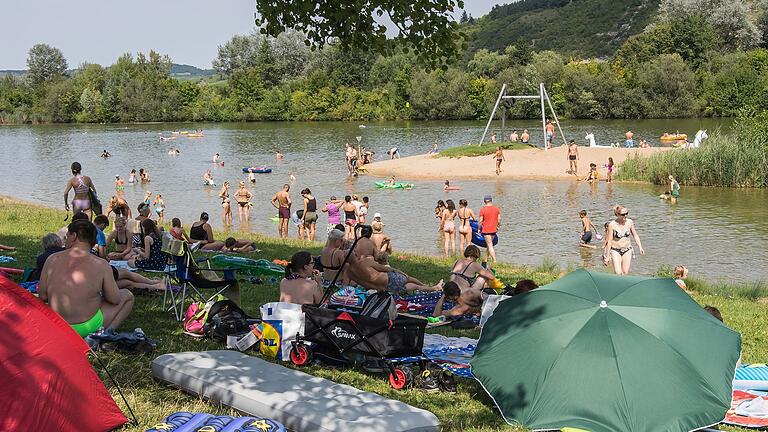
pixel 243 197
pixel 488 222
pixel 383 242
pixel 332 207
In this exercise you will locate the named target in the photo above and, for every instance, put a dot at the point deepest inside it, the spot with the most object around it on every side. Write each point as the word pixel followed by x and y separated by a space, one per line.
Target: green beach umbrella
pixel 601 352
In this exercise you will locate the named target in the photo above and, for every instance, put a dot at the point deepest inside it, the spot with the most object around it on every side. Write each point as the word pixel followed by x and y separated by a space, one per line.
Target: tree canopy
pixel 425 26
pixel 45 63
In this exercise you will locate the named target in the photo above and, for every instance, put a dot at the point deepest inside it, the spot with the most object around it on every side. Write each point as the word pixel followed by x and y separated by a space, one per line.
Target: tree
pixel 487 64
pixel 464 17
pixel 734 20
pixel 669 86
pixel 427 27
pixel 45 63
pixel 240 52
pixel 519 53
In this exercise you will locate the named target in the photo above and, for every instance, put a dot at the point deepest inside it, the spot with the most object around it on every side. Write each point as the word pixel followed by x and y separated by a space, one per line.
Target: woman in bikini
pixel 226 217
pixel 439 214
pixel 331 258
pixel 159 204
pixel 119 207
pixel 618 247
pixel 468 273
pixel 465 214
pixel 449 227
pixel 350 217
pixel 122 237
pixel 83 186
pixel 243 197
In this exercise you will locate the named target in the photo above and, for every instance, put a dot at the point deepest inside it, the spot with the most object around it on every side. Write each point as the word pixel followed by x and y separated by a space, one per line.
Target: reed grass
pixel 737 159
pixel 482 150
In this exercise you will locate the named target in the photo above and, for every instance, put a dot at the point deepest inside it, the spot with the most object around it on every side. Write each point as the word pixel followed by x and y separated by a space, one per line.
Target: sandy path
pixel 520 164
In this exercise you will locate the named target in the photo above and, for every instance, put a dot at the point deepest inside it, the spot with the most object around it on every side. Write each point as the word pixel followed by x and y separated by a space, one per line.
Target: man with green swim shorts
pixel 81 287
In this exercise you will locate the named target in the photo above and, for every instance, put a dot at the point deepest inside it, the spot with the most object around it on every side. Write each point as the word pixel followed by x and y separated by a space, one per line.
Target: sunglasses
pixel 623 214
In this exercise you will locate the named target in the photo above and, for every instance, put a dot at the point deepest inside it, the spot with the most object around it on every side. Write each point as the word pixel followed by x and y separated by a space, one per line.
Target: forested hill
pixel 589 28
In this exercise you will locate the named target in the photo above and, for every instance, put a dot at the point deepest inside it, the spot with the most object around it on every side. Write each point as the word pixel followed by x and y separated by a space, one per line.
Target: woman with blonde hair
pixel 617 243
pixel 226 217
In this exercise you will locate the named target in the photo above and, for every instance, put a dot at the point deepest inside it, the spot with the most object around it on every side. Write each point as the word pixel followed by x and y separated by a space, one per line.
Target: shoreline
pixel 524 164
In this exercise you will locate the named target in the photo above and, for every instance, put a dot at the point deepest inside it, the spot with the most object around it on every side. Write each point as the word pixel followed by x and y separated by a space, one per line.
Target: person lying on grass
pixel 232 244
pixel 7 248
pixel 81 287
pixel 468 301
pixel 302 284
pixel 371 275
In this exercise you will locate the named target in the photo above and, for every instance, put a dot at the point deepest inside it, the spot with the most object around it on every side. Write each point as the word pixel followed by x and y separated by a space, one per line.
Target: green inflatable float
pixel 260 267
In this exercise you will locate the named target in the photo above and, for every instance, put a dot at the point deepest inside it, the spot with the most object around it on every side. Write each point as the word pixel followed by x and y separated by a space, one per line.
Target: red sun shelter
pixel 47 382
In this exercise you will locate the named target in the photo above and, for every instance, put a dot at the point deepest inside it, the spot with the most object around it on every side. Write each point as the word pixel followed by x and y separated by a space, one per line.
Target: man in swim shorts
pixel 550 133
pixel 372 275
pixel 81 287
pixel 573 157
pixel 488 222
pixel 282 202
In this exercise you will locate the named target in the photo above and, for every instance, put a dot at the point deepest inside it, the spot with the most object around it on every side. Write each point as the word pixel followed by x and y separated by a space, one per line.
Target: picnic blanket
pixel 6 259
pixel 423 304
pixel 202 421
pixel 450 353
pixel 747 410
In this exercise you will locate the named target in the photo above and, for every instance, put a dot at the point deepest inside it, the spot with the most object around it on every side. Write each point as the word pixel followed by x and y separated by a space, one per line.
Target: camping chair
pixel 189 274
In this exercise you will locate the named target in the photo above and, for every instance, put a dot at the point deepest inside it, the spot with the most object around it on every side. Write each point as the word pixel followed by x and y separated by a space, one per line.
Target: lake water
pixel 717 233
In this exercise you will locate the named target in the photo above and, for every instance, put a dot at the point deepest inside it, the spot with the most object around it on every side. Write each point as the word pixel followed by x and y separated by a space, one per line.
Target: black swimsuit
pixel 198 233
pixel 470 280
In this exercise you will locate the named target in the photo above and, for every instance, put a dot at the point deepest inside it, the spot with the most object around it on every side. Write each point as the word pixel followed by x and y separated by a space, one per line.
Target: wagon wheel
pixel 301 355
pixel 401 377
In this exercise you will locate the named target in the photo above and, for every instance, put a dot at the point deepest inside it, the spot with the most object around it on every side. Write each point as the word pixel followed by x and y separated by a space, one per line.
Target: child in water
pixel 610 169
pixel 586 230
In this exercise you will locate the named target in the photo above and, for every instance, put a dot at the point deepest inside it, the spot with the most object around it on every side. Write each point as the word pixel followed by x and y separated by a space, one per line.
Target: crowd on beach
pixel 356 250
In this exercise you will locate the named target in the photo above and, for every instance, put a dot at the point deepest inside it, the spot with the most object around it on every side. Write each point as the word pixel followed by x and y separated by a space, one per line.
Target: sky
pixel 99 31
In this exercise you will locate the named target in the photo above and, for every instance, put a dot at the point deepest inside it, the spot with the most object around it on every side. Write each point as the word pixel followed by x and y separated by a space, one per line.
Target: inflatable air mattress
pixel 299 401
pixel 257 170
pixel 196 422
pixel 386 185
pixel 248 265
pixel 477 237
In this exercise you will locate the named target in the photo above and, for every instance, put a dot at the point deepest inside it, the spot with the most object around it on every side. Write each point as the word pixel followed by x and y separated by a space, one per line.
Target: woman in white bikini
pixel 465 214
pixel 449 227
pixel 618 247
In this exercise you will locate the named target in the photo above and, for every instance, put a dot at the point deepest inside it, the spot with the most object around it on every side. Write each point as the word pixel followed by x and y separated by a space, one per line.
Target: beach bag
pixel 380 306
pixel 95 203
pixel 280 323
pixel 197 315
pixel 225 318
pixel 172 246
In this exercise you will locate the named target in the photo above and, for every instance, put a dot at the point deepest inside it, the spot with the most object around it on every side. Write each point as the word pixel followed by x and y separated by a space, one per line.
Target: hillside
pixel 580 27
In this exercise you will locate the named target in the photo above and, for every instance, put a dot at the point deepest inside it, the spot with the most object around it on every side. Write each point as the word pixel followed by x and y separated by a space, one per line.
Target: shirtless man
pixel 524 138
pixel 282 202
pixel 372 275
pixel 278 155
pixel 514 136
pixel 573 157
pixel 630 142
pixel 365 246
pixel 469 301
pixel 80 286
pixel 550 128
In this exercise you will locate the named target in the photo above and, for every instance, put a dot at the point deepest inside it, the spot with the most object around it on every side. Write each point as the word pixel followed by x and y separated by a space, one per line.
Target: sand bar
pixel 520 164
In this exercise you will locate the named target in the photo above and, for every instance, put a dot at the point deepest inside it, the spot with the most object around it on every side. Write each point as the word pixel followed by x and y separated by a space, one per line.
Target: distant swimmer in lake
pixel 499 156
pixel 216 158
pixel 278 155
pixel 208 178
pixel 105 154
pixel 132 177
pixel 119 185
pixel 447 186
pixel 674 190
pixel 524 137
pixel 251 176
pixel 144 175
pixel 291 177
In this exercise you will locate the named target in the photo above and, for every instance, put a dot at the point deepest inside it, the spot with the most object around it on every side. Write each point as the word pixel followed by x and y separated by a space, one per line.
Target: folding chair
pixel 192 278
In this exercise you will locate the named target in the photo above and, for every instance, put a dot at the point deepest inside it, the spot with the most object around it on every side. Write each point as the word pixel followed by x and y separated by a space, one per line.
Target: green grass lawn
pixel 22 225
pixel 476 150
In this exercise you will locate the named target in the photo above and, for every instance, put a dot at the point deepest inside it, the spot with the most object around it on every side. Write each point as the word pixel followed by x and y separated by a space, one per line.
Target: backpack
pixel 197 315
pixel 225 318
pixel 380 306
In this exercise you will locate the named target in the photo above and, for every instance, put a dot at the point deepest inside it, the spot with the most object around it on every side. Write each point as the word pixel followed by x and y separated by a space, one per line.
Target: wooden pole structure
pixel 493 113
pixel 549 102
pixel 543 114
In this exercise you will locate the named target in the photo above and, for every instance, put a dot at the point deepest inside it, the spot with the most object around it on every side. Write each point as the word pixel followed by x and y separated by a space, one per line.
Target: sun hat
pixel 376 215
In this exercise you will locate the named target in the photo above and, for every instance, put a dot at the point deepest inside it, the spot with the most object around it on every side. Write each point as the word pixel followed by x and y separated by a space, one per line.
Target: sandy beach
pixel 519 164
